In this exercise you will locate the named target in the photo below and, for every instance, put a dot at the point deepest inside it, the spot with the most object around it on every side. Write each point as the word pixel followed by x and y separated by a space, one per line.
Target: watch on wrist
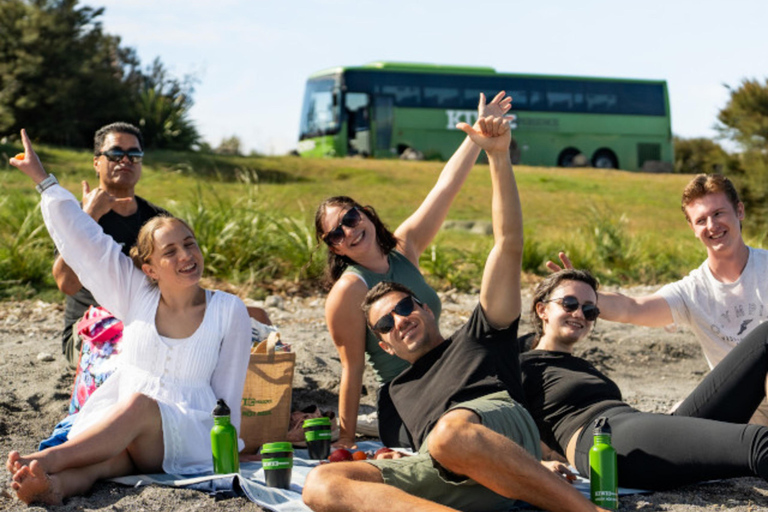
pixel 47 183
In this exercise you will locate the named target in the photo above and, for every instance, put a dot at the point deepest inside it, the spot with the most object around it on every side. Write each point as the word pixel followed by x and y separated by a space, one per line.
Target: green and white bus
pixel 382 109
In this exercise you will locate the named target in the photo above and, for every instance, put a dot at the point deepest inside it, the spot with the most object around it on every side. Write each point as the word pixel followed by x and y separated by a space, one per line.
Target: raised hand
pixel 490 133
pixel 564 259
pixel 30 163
pixel 498 107
pixel 98 202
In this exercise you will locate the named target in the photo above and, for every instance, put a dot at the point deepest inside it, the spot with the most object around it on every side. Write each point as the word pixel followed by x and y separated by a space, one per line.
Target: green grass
pixel 254 217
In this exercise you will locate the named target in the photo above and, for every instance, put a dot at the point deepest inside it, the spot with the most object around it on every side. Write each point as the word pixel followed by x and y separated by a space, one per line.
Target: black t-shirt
pixel 563 392
pixel 476 361
pixel 125 231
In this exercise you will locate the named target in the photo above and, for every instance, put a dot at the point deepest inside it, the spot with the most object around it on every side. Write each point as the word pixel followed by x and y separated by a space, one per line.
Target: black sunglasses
pixel 402 308
pixel 351 219
pixel 570 304
pixel 117 154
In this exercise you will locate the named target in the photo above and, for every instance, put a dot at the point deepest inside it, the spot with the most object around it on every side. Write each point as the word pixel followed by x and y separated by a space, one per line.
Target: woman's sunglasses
pixel 351 219
pixel 402 308
pixel 570 304
pixel 117 154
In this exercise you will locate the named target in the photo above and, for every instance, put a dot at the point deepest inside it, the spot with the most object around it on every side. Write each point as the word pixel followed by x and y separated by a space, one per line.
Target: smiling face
pixel 560 328
pixel 716 222
pixel 118 176
pixel 413 335
pixel 358 240
pixel 176 257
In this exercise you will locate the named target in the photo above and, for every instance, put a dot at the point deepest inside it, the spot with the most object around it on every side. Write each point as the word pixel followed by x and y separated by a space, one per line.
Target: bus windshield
pixel 319 115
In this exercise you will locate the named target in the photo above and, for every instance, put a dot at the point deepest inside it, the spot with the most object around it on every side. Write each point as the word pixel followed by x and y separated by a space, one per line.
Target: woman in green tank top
pixel 363 252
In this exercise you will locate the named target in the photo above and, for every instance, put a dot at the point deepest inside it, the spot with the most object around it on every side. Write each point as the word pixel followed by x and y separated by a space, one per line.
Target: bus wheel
pixel 567 156
pixel 605 159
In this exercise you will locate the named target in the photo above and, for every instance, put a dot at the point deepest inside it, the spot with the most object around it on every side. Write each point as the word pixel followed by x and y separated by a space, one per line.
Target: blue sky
pixel 252 57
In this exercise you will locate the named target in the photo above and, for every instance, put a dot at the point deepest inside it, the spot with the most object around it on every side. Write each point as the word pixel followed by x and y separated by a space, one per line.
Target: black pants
pixel 706 438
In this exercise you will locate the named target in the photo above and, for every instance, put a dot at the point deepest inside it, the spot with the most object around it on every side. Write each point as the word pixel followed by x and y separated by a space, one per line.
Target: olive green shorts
pixel 420 475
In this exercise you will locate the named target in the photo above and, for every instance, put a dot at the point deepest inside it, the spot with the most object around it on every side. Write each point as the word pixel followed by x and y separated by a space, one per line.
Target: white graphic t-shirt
pixel 721 314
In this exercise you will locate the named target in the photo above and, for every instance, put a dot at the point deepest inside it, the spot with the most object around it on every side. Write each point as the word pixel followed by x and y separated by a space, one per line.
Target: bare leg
pixel 33 485
pixel 134 425
pixel 358 487
pixel 462 445
pixel 129 439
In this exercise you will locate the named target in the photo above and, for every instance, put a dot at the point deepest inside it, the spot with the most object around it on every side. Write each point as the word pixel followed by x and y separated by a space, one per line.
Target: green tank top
pixel 385 366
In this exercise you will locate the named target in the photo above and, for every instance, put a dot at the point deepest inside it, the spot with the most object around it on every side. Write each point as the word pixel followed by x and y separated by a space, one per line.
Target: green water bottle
pixel 603 478
pixel 224 441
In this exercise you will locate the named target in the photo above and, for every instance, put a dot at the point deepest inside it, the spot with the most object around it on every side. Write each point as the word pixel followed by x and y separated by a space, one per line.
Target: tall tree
pixel 744 120
pixel 163 109
pixel 62 77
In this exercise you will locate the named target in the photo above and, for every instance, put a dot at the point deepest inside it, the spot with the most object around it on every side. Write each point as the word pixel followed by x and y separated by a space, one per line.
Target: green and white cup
pixel 277 461
pixel 317 432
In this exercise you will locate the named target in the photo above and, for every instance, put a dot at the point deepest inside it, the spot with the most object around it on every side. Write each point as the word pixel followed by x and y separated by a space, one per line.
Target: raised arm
pixel 95 257
pixel 417 231
pixel 500 289
pixel 648 310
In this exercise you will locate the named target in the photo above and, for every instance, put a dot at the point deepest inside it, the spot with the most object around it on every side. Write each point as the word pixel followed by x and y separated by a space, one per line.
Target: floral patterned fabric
pixel 101 334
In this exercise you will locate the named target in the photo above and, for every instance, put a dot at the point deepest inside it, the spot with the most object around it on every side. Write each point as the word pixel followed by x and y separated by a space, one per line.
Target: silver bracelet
pixel 47 183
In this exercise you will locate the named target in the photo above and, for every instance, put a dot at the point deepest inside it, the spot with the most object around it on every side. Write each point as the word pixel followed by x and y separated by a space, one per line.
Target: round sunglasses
pixel 403 308
pixel 351 219
pixel 569 303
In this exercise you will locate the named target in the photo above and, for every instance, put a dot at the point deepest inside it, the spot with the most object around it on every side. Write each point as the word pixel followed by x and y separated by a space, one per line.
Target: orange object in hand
pixel 20 156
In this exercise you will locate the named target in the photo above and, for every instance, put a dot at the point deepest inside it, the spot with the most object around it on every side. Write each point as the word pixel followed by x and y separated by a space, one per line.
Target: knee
pixel 139 406
pixel 452 436
pixel 323 485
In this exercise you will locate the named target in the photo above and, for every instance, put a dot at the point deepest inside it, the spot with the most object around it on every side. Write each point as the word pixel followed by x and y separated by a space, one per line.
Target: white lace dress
pixel 184 376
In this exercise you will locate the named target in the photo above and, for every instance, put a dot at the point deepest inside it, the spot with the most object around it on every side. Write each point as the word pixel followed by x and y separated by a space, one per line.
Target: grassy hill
pixel 254 217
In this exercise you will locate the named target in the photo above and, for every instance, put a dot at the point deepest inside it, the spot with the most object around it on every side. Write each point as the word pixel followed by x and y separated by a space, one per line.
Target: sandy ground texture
pixel 654 369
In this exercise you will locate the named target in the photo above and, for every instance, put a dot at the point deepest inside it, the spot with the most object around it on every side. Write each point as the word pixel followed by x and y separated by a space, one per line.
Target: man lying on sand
pixel 478 447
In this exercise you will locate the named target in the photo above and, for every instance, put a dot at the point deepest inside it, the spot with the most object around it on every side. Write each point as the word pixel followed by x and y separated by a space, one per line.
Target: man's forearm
pixel 65 277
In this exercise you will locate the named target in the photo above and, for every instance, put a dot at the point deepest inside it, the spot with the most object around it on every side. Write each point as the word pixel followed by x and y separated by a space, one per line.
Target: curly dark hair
pixel 545 288
pixel 336 263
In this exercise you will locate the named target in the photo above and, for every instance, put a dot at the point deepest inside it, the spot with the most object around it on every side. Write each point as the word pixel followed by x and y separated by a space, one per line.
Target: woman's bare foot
pixel 13 458
pixel 33 485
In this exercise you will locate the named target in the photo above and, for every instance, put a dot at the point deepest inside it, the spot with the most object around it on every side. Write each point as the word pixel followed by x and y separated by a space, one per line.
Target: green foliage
pixel 163 110
pixel 253 217
pixel 230 146
pixel 25 248
pixel 702 155
pixel 62 77
pixel 744 120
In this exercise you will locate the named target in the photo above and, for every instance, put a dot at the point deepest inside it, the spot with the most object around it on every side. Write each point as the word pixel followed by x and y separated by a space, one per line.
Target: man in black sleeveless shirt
pixel 117 156
pixel 478 447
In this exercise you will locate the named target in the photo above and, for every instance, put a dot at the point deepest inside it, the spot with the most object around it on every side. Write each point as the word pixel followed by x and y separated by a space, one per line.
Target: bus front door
pixel 383 121
pixel 357 109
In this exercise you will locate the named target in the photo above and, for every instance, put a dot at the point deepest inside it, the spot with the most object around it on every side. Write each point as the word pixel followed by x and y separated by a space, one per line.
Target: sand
pixel 653 367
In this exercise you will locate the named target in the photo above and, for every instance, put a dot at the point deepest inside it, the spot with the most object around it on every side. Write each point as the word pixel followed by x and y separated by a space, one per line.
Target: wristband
pixel 47 183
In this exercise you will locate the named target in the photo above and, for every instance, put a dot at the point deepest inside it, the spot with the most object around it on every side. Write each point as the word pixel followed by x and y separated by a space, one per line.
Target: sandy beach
pixel 653 367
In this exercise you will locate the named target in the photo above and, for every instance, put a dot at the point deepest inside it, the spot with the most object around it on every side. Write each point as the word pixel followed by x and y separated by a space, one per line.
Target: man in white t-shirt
pixel 721 301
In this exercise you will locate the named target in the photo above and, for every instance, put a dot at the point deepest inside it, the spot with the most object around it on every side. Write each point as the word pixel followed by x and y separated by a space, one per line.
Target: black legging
pixel 706 438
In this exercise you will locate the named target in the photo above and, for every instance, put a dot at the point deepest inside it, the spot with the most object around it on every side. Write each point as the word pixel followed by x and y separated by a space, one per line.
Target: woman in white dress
pixel 183 348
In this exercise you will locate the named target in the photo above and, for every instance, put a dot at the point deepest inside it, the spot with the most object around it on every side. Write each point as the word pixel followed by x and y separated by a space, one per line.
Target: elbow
pixel 68 287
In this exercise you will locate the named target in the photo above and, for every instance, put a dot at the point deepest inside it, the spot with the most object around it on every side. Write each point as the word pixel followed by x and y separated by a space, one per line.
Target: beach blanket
pixel 250 483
